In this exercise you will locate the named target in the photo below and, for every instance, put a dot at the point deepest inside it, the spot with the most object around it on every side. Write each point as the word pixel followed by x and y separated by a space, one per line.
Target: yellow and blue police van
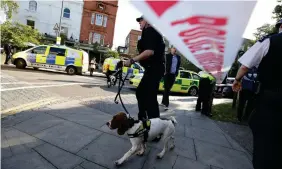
pixel 110 66
pixel 54 57
pixel 186 82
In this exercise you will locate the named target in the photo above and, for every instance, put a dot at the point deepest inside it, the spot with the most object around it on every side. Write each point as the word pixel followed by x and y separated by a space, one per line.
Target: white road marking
pixel 43 86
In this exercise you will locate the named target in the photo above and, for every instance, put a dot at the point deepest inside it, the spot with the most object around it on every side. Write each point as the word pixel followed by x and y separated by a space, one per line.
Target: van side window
pixel 185 75
pixel 39 50
pixel 57 51
pixel 197 77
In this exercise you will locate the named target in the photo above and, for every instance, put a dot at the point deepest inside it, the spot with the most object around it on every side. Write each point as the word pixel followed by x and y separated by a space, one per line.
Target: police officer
pixel 266 121
pixel 205 98
pixel 151 56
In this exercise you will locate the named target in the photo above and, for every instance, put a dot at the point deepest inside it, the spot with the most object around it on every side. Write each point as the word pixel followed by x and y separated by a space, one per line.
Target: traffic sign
pixel 56 27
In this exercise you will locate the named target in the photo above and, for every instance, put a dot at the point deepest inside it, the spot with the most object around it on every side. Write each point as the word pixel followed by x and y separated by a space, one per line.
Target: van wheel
pixel 193 91
pixel 71 70
pixel 36 68
pixel 20 64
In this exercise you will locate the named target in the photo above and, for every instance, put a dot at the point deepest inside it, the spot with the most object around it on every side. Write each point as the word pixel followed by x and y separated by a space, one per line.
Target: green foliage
pixel 18 34
pixel 267 29
pixel 112 53
pixel 9 6
pixel 188 65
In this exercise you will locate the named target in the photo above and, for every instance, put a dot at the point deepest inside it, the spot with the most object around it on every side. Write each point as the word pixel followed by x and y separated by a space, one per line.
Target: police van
pixel 54 57
pixel 110 66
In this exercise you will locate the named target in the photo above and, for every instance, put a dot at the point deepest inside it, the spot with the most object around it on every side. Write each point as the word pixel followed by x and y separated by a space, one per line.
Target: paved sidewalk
pixel 73 135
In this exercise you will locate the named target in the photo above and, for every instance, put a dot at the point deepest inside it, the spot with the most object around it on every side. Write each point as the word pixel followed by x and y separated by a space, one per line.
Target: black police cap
pixel 140 18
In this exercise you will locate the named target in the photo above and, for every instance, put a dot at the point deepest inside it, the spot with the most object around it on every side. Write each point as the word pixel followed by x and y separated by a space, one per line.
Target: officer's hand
pixel 127 63
pixel 236 87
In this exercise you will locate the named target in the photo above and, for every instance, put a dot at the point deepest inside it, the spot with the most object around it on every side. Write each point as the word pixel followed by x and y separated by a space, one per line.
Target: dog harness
pixel 143 130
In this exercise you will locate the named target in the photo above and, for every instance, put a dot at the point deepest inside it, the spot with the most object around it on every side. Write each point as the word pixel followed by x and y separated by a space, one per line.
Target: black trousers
pixel 169 80
pixel 147 92
pixel 246 99
pixel 266 125
pixel 8 57
pixel 205 98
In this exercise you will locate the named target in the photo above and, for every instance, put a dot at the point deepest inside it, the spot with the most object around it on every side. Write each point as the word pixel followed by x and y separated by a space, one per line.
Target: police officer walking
pixel 266 120
pixel 205 98
pixel 151 56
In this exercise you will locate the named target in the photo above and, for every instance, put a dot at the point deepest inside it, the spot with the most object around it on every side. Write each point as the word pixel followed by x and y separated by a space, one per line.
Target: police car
pixel 54 57
pixel 186 82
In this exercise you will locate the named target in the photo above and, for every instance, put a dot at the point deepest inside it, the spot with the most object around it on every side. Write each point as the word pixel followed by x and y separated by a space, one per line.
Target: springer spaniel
pixel 158 126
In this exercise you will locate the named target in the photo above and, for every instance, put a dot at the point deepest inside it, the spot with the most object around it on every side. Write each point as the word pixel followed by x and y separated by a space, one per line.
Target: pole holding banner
pixel 58 41
pixel 208 33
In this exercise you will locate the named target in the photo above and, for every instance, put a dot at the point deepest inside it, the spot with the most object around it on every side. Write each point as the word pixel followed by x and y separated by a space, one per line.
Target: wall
pixel 110 11
pixel 48 14
pixel 133 40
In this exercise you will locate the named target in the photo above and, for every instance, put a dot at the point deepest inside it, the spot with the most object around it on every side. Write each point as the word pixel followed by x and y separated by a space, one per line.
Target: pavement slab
pixel 30 160
pixel 106 149
pixel 58 157
pixel 18 142
pixel 207 135
pixel 86 116
pixel 41 121
pixel 205 124
pixel 69 136
pixel 18 118
pixel 90 165
pixel 223 157
pixel 184 163
pixel 167 162
pixel 183 120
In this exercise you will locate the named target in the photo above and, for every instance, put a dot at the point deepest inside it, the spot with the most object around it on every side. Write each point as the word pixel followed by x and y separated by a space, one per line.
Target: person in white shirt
pixel 266 121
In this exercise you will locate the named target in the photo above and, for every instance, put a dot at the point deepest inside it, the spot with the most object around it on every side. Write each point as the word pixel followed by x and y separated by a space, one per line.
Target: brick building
pixel 98 22
pixel 131 42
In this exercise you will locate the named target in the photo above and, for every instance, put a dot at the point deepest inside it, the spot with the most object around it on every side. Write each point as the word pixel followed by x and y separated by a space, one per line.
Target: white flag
pixel 208 33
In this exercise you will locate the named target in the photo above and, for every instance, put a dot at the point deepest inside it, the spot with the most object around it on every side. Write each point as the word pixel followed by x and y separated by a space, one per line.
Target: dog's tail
pixel 173 120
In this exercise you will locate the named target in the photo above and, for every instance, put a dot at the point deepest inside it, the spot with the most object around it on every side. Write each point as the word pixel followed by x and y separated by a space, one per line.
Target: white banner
pixel 208 33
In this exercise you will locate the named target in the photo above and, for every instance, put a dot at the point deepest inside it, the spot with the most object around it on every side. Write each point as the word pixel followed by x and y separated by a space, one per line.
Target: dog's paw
pixel 118 163
pixel 159 156
pixel 140 153
pixel 172 147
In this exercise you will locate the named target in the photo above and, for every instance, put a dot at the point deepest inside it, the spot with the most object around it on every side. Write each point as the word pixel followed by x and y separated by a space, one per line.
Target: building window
pixel 92 19
pixel 105 21
pixel 99 20
pixel 30 23
pixel 66 13
pixel 32 5
pixel 90 37
pixel 96 38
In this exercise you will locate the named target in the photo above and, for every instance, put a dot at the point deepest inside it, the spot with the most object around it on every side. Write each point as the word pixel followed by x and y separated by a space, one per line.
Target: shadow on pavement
pixel 74 135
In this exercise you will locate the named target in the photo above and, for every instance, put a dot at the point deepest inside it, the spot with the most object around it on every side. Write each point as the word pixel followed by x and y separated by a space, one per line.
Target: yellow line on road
pixel 28 106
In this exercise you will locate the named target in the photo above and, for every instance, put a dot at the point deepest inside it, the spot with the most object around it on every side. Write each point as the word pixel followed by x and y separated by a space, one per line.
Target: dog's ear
pixel 124 125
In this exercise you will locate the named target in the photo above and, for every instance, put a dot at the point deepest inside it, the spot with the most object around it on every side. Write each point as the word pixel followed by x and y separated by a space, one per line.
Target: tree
pixel 188 65
pixel 9 7
pixel 112 53
pixel 268 29
pixel 18 34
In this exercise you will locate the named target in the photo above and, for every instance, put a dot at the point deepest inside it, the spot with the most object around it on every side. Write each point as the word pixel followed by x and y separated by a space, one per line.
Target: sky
pixel 127 14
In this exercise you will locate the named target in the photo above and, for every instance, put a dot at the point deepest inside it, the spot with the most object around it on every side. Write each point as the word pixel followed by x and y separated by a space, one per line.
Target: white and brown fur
pixel 164 127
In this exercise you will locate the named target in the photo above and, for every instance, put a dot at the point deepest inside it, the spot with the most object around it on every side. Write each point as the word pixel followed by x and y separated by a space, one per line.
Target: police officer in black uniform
pixel 266 121
pixel 151 56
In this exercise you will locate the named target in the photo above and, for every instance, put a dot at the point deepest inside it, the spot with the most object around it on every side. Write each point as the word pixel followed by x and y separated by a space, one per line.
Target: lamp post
pixel 58 41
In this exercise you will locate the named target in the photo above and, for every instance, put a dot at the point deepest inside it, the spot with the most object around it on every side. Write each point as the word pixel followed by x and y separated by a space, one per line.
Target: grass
pixel 224 112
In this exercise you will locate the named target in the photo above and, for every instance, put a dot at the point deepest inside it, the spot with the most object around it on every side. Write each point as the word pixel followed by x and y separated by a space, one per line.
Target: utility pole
pixel 59 31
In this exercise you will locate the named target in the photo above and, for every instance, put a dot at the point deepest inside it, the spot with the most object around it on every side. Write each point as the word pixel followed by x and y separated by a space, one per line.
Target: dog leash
pixel 120 86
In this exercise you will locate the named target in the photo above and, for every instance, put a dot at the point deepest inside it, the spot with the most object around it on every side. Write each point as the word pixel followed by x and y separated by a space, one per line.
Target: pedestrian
pixel 266 121
pixel 151 56
pixel 205 97
pixel 7 49
pixel 172 64
pixel 92 66
pixel 247 95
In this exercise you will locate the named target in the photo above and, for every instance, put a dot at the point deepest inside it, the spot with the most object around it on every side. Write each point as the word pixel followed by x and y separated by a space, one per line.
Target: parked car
pixel 186 82
pixel 225 90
